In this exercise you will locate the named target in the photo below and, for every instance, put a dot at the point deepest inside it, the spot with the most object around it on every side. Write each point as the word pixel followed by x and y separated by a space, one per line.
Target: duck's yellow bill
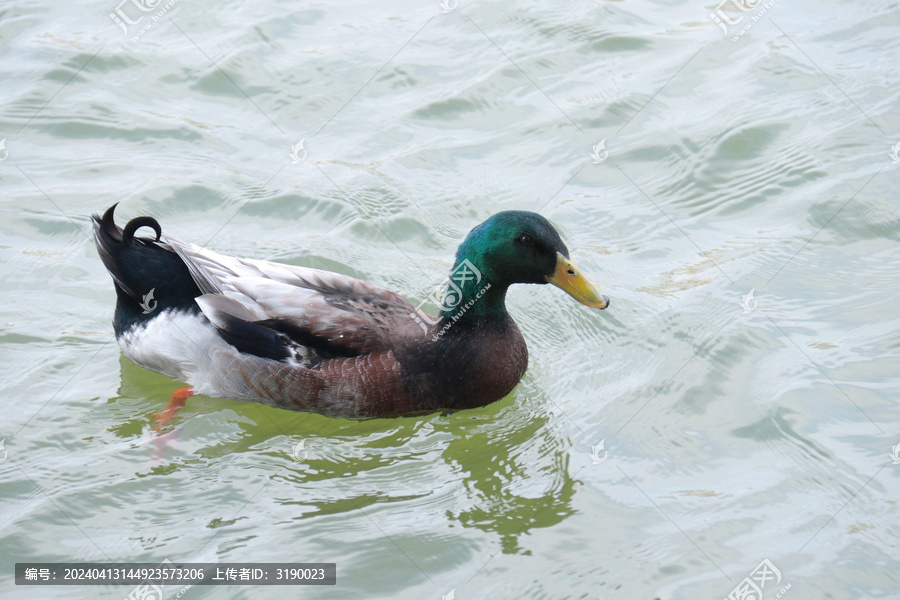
pixel 569 279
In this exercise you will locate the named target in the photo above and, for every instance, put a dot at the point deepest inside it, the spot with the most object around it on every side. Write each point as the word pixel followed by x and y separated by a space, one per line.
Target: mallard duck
pixel 312 340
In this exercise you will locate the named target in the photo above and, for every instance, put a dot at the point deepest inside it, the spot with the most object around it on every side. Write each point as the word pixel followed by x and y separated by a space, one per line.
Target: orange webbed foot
pixel 179 397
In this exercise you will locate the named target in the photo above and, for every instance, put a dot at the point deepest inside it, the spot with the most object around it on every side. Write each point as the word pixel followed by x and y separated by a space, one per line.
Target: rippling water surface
pixel 661 449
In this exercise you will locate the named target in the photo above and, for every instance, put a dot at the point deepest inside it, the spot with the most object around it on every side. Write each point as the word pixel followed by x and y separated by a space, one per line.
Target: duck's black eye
pixel 526 240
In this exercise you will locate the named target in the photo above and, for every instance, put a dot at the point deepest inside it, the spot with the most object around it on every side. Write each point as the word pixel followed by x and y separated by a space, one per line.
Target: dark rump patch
pixel 323 347
pixel 279 339
pixel 254 338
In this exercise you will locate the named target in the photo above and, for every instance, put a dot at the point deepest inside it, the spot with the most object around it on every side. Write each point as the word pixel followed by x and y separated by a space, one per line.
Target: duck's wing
pixel 298 314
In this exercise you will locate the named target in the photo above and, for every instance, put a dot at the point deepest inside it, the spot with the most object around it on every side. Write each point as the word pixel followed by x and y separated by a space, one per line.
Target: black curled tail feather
pixel 116 245
pixel 149 276
pixel 135 224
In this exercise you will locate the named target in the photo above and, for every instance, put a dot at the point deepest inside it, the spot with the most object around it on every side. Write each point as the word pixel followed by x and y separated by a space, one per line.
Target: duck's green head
pixel 517 246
